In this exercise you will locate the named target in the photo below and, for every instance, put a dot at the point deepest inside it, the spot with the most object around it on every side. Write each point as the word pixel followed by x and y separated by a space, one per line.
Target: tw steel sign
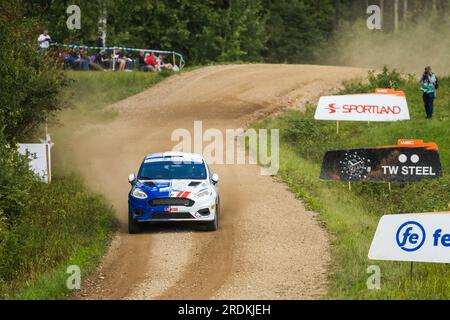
pixel 383 105
pixel 409 161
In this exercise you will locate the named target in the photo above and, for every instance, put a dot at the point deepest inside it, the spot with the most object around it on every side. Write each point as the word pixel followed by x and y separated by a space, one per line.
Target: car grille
pixel 171 215
pixel 171 202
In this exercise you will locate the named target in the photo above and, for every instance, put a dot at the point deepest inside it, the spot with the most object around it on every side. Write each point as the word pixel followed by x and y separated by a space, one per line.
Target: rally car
pixel 173 186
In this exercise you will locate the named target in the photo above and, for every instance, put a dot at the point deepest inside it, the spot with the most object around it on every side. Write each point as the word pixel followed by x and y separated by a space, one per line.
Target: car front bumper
pixel 204 209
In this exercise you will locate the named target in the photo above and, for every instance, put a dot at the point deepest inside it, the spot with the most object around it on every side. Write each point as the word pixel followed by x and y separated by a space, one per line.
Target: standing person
pixel 429 86
pixel 44 40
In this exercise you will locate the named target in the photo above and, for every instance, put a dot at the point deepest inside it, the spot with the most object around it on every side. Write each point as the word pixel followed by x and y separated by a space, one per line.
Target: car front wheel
pixel 133 226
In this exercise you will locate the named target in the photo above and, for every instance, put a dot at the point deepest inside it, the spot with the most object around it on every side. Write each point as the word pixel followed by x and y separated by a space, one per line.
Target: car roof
pixel 174 156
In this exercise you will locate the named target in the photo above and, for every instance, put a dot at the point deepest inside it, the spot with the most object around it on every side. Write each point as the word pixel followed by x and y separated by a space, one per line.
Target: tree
pixel 296 27
pixel 31 81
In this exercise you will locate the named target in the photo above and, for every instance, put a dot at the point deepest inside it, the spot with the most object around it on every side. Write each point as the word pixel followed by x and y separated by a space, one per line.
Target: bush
pixel 385 79
pixel 13 168
pixel 57 220
pixel 30 81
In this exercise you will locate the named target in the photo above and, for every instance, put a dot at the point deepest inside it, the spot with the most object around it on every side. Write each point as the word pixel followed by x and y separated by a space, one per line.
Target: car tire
pixel 133 226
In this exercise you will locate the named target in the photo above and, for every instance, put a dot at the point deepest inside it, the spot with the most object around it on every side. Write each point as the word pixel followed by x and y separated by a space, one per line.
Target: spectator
pixel 81 62
pixel 69 58
pixel 429 86
pixel 44 40
pixel 129 65
pixel 103 60
pixel 142 62
pixel 152 63
pixel 94 63
pixel 164 65
pixel 121 59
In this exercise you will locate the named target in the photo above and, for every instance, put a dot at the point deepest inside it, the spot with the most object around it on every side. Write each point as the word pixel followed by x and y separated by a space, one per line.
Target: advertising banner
pixel 412 237
pixel 408 161
pixel 383 105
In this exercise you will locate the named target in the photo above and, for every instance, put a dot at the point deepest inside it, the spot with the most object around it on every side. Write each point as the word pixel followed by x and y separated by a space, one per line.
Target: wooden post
pixel 350 186
pixel 173 59
pixel 411 271
pixel 337 127
pixel 390 186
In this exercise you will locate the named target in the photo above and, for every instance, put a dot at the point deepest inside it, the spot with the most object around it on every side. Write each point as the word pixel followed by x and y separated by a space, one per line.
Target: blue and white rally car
pixel 173 186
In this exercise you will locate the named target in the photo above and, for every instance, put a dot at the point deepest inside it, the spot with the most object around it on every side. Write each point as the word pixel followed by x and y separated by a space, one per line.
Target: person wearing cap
pixel 429 85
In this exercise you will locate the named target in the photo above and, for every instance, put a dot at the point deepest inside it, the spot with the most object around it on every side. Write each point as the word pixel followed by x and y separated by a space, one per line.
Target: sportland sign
pixel 383 105
pixel 412 237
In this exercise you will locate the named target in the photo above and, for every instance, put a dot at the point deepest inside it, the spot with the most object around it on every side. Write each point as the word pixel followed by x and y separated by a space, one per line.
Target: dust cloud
pixel 409 50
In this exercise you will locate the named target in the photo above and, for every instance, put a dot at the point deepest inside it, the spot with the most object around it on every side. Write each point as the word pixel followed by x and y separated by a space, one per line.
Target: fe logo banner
pixel 409 161
pixel 412 237
pixel 383 105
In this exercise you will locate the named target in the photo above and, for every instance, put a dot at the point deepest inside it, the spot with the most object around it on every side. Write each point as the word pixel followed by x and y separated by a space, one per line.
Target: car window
pixel 167 170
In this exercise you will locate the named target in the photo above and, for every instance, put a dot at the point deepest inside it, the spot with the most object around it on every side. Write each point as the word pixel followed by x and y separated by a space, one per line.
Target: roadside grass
pixel 63 223
pixel 351 217
pixel 90 92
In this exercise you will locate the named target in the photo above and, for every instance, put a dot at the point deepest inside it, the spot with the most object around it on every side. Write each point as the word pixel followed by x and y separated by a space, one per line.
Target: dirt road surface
pixel 268 245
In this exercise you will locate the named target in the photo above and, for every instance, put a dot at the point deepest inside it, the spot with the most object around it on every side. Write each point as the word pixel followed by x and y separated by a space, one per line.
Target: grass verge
pixel 61 225
pixel 64 224
pixel 351 217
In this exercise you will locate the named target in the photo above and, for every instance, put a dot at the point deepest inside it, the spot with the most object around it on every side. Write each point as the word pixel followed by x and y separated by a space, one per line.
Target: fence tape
pixel 74 46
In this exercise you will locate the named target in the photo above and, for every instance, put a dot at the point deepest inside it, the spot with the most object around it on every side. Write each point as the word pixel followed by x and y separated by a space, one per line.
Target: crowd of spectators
pixel 119 60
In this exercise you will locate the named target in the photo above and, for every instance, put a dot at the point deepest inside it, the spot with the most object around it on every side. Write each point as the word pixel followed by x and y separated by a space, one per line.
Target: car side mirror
pixel 131 178
pixel 215 178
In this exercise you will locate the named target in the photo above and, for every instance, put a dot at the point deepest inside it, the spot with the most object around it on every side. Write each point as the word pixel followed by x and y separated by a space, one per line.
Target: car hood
pixel 171 188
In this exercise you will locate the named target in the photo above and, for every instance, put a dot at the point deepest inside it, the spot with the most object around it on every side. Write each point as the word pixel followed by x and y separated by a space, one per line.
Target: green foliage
pixel 13 168
pixel 290 31
pixel 56 221
pixel 384 79
pixel 42 227
pixel 30 81
pixel 295 28
pixel 204 31
pixel 352 217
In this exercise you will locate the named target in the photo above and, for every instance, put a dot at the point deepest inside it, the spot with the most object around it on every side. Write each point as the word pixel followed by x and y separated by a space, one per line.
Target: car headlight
pixel 138 193
pixel 203 193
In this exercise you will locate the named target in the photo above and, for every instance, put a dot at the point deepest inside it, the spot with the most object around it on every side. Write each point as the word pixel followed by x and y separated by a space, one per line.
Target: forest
pixel 207 31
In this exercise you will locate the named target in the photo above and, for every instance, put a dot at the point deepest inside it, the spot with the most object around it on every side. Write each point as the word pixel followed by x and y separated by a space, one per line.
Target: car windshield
pixel 167 170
